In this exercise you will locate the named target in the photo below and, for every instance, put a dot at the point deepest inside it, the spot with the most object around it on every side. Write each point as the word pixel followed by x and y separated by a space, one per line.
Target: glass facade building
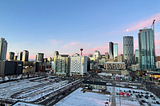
pixel 25 55
pixel 115 47
pixel 128 50
pixel 136 56
pixel 111 55
pixel 146 49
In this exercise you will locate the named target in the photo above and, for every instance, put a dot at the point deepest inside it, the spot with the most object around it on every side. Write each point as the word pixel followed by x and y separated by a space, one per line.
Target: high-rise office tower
pixel 146 49
pixel 40 57
pixel 56 53
pixel 20 56
pixel 115 50
pixel 15 57
pixel 106 55
pixel 3 49
pixel 128 53
pixel 11 56
pixel 111 55
pixel 136 56
pixel 25 55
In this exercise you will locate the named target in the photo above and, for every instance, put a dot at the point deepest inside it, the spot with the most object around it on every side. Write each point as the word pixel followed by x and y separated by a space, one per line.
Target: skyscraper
pixel 146 49
pixel 40 57
pixel 15 57
pixel 115 50
pixel 25 55
pixel 11 56
pixel 3 49
pixel 136 56
pixel 20 56
pixel 56 53
pixel 111 55
pixel 128 53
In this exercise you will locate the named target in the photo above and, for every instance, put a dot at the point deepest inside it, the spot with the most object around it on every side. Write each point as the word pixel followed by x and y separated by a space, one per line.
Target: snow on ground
pixel 78 98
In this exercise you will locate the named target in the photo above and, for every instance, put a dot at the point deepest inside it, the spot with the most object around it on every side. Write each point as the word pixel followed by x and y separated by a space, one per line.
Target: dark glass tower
pixel 146 49
pixel 111 55
pixel 128 50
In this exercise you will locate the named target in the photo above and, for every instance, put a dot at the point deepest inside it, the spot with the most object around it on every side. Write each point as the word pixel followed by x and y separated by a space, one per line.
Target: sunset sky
pixel 67 25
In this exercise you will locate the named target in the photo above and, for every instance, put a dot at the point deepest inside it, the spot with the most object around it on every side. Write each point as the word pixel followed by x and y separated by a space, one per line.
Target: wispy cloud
pixel 55 42
pixel 71 44
pixel 144 23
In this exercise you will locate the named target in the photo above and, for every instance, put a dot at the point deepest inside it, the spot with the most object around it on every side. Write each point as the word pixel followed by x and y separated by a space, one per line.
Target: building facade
pixel 136 56
pixel 20 56
pixel 11 56
pixel 15 57
pixel 78 65
pixel 40 57
pixel 111 55
pixel 25 55
pixel 115 50
pixel 114 65
pixel 120 58
pixel 128 48
pixel 3 49
pixel 61 65
pixel 56 53
pixel 106 55
pixel 96 55
pixel 146 49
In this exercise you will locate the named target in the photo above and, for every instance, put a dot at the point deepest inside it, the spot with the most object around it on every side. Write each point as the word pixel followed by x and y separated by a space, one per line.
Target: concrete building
pixel 128 47
pixel 115 49
pixel 146 49
pixel 135 67
pixel 114 65
pixel 120 58
pixel 62 65
pixel 40 57
pixel 20 56
pixel 3 49
pixel 111 54
pixel 106 55
pixel 158 64
pixel 25 55
pixel 76 54
pixel 78 65
pixel 11 56
pixel 136 56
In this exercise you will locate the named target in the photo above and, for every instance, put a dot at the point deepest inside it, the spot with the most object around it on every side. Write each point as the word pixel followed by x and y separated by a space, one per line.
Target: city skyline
pixel 55 26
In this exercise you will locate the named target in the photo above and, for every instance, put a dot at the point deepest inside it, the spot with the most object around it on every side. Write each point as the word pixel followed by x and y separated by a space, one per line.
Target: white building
pixel 114 65
pixel 97 55
pixel 158 64
pixel 78 65
pixel 3 49
pixel 135 67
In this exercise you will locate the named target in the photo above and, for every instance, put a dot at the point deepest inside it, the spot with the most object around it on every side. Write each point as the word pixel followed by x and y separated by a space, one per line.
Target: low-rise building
pixel 135 67
pixel 114 65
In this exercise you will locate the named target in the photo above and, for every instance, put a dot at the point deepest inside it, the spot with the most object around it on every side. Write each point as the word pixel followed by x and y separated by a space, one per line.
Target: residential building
pixel 136 56
pixel 25 55
pixel 146 49
pixel 11 56
pixel 115 50
pixel 61 65
pixel 128 48
pixel 3 49
pixel 111 54
pixel 78 65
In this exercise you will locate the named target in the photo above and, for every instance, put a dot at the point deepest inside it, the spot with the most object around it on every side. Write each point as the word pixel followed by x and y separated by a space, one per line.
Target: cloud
pixel 55 42
pixel 144 23
pixel 77 44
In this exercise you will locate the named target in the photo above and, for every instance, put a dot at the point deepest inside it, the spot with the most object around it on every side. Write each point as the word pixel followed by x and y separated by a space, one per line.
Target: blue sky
pixel 66 25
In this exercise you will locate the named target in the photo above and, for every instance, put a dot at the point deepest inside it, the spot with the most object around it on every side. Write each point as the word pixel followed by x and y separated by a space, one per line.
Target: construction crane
pixel 153 24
